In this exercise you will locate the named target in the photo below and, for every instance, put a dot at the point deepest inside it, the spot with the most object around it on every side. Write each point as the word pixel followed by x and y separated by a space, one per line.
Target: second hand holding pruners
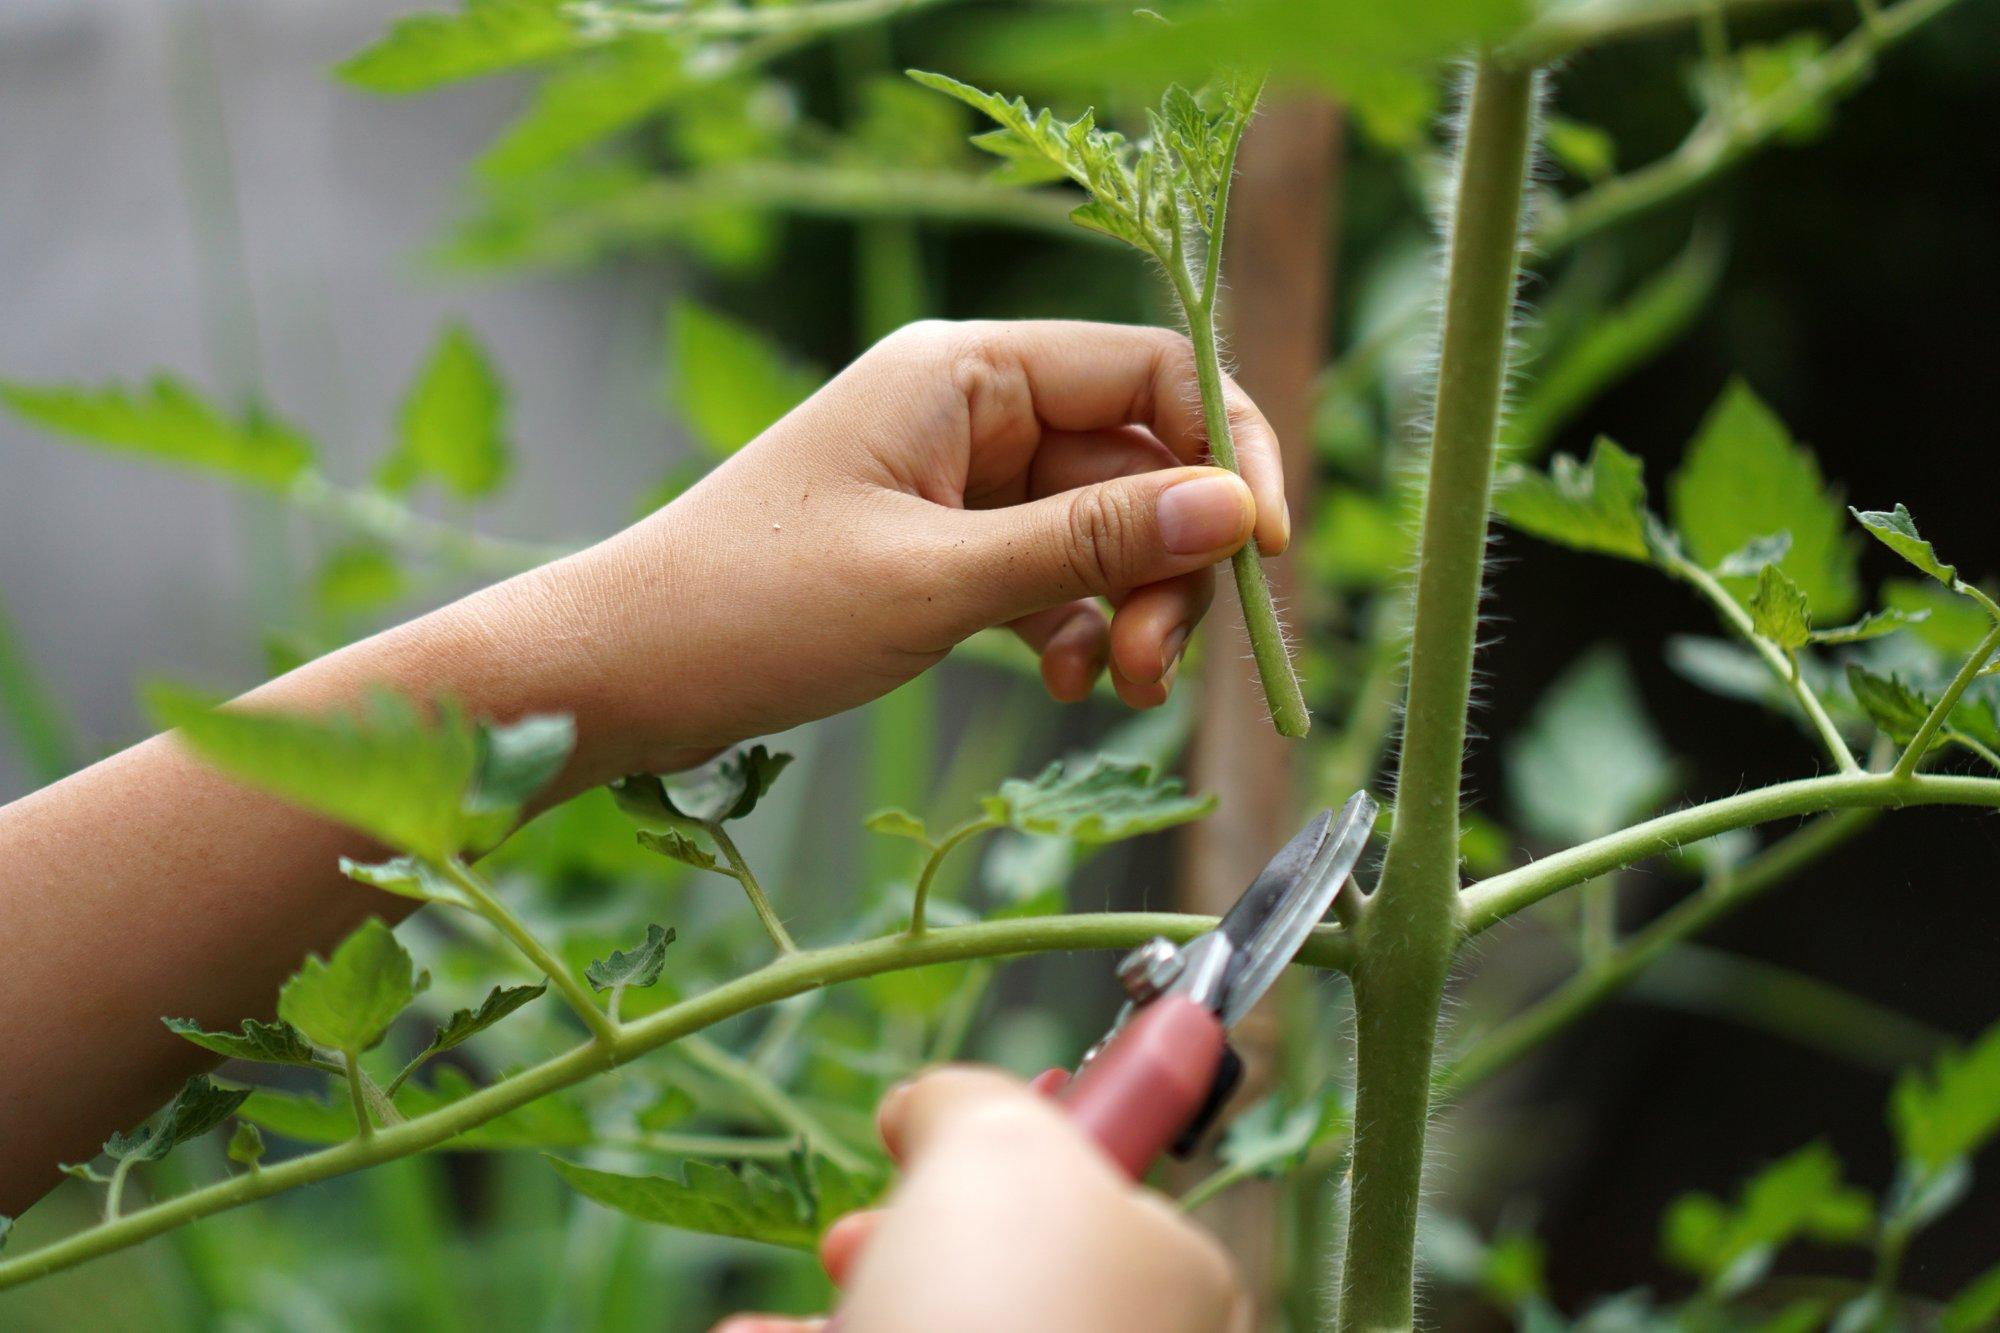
pixel 1157 1079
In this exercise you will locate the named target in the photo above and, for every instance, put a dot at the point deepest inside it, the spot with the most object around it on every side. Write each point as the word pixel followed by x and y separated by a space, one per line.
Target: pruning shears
pixel 1156 1081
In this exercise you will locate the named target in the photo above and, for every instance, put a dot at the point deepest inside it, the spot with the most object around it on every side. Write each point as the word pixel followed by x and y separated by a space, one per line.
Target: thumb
pixel 1099 541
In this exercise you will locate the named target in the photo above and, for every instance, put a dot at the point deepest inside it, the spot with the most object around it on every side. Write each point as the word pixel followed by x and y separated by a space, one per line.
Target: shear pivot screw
pixel 1150 969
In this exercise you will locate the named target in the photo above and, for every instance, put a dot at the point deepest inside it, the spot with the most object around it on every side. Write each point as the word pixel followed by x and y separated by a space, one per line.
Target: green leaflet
pixel 1800 1195
pixel 898 823
pixel 639 966
pixel 467 1023
pixel 408 877
pixel 430 787
pixel 1898 531
pixel 347 1002
pixel 246 1145
pixel 425 51
pixel 1595 506
pixel 729 790
pixel 1588 761
pixel 1272 1138
pixel 1874 625
pixel 1949 1111
pixel 1743 478
pixel 197 1108
pixel 170 423
pixel 1750 560
pixel 268 1043
pixel 728 380
pixel 1975 1308
pixel 1097 800
pixel 1779 610
pixel 677 846
pixel 589 99
pixel 751 1204
pixel 1950 623
pixel 453 422
pixel 1898 709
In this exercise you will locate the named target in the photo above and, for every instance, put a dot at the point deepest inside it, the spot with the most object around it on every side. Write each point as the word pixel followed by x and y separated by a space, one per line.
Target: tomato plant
pixel 664 1081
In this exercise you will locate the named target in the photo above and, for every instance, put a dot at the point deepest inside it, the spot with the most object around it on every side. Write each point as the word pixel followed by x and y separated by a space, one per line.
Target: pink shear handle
pixel 1139 1094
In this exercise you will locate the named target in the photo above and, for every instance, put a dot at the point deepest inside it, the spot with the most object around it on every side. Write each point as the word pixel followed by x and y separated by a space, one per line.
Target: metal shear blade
pixel 1270 922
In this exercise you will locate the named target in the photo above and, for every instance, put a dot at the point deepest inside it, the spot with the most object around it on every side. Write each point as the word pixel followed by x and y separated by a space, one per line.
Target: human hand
pixel 955 477
pixel 1009 1219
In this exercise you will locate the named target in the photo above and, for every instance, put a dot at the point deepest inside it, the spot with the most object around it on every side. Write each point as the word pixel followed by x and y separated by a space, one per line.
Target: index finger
pixel 1070 375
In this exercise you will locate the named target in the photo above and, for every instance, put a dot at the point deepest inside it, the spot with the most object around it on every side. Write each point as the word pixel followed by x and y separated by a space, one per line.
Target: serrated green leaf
pixel 453 422
pixel 517 760
pixel 1874 625
pixel 1594 506
pixel 1897 708
pixel 407 877
pixel 677 846
pixel 1588 761
pixel 607 91
pixel 246 1145
pixel 750 1204
pixel 1273 1137
pixel 197 1108
pixel 1094 801
pixel 638 966
pixel 346 1002
pixel 1801 1195
pixel 1975 1308
pixel 268 1043
pixel 1744 477
pixel 1751 559
pixel 167 422
pixel 1951 1110
pixel 1779 610
pixel 729 790
pixel 730 381
pixel 465 1024
pixel 425 51
pixel 1898 531
pixel 380 768
pixel 898 823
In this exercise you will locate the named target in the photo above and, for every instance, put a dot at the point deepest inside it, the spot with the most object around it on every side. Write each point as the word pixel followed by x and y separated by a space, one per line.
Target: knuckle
pixel 1096 537
pixel 993 382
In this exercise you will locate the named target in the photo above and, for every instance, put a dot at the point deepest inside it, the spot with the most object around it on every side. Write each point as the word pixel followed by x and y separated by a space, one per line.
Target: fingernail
pixel 1204 514
pixel 1171 650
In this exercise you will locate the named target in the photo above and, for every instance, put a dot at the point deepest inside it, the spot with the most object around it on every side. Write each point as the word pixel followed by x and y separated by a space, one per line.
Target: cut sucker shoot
pixel 1166 195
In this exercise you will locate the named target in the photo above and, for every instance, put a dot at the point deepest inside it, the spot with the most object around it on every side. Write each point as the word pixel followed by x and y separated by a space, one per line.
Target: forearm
pixel 149 886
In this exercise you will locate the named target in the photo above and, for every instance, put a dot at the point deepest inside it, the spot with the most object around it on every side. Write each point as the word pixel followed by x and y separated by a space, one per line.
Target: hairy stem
pixel 1783 667
pixel 1410 931
pixel 740 870
pixel 1920 743
pixel 939 850
pixel 1494 900
pixel 600 1025
pixel 1260 611
pixel 790 975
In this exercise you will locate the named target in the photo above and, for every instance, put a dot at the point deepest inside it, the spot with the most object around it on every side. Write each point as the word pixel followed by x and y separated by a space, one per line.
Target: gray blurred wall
pixel 185 188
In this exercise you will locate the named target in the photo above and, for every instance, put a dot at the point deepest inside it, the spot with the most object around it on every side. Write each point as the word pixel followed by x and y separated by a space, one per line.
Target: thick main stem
pixel 1411 929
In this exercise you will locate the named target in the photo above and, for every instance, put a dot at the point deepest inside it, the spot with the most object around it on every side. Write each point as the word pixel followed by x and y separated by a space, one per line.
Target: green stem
pixel 740 869
pixel 1920 743
pixel 1411 929
pixel 364 1124
pixel 1987 756
pixel 1260 611
pixel 1525 1031
pixel 1493 900
pixel 791 975
pixel 114 1193
pixel 389 520
pixel 596 1020
pixel 764 1094
pixel 939 850
pixel 1781 666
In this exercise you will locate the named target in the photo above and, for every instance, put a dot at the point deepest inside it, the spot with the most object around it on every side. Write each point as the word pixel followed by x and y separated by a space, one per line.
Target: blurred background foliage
pixel 750 198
